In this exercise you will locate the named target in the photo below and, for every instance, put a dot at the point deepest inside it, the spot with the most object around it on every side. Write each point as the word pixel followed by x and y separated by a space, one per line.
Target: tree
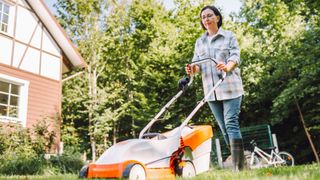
pixel 94 118
pixel 280 58
pixel 137 50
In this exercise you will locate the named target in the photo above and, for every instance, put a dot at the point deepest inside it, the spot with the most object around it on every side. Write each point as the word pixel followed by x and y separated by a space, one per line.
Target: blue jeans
pixel 226 113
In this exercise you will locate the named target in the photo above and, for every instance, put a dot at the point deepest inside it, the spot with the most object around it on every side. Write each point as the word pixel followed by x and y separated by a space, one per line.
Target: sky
pixel 226 6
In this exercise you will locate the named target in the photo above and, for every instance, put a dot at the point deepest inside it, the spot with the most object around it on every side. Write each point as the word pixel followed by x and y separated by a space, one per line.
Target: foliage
pixel 27 141
pixel 132 50
pixel 280 57
pixel 20 164
pixel 19 151
pixel 136 51
pixel 43 136
pixel 93 119
pixel 66 163
pixel 23 151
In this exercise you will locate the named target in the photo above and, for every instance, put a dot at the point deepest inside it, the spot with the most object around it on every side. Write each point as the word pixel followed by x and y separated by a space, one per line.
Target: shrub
pixel 67 163
pixel 42 137
pixel 22 151
pixel 20 164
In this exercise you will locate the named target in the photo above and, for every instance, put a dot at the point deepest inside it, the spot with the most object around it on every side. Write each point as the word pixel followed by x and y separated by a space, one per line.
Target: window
pixel 9 100
pixel 13 99
pixel 4 17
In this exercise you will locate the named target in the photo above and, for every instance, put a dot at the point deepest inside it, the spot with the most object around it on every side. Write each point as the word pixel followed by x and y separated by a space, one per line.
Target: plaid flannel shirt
pixel 224 48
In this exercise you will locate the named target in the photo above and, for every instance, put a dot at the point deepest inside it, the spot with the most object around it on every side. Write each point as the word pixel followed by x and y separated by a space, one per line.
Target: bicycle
pixel 260 158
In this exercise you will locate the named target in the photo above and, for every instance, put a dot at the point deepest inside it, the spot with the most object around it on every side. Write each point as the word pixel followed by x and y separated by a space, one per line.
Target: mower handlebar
pixel 203 60
pixel 183 84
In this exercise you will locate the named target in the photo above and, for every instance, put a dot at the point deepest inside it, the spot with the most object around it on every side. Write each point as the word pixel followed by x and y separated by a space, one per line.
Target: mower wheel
pixel 137 172
pixel 188 170
pixel 84 172
pixel 134 171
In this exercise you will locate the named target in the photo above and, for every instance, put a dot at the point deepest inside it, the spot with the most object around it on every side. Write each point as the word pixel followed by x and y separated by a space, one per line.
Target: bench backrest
pixel 260 133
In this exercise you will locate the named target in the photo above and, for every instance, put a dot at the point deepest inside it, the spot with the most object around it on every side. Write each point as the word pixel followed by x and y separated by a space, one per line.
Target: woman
pixel 225 102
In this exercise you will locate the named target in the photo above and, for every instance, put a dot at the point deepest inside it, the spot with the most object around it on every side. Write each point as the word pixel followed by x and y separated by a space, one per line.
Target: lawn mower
pixel 183 151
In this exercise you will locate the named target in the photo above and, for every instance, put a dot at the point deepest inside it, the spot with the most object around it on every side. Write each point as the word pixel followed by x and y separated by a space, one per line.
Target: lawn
pixel 307 172
pixel 44 177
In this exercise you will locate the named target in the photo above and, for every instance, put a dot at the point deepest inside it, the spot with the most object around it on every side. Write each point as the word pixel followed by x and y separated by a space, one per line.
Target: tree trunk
pixel 92 78
pixel 130 95
pixel 114 133
pixel 306 130
pixel 133 129
pixel 90 110
pixel 93 149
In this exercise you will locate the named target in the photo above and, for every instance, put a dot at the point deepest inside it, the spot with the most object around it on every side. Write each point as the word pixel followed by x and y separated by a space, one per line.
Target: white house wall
pixel 26 24
pixel 31 61
pixel 48 45
pixel 49 63
pixel 5 50
pixel 28 45
pixel 36 40
pixel 23 3
pixel 18 52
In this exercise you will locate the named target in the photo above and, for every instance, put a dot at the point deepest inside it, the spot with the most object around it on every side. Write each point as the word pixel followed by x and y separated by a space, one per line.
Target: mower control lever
pixel 152 135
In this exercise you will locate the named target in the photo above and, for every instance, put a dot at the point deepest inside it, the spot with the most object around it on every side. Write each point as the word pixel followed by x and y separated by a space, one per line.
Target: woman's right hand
pixel 192 69
pixel 188 69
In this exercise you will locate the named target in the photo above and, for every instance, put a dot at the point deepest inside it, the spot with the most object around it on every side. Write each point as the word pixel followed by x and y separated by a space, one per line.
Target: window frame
pixel 2 13
pixel 10 96
pixel 23 99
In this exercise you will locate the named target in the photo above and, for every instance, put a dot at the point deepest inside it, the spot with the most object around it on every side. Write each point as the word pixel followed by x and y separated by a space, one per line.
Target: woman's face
pixel 209 19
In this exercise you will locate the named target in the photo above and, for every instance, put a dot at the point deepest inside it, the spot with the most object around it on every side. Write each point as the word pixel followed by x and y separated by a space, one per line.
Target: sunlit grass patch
pixel 306 172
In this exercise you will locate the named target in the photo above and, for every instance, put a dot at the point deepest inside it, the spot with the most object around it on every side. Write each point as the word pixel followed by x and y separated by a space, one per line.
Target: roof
pixel 57 33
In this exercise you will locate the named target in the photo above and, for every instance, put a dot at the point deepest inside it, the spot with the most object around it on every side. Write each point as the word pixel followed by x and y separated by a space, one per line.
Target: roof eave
pixel 58 33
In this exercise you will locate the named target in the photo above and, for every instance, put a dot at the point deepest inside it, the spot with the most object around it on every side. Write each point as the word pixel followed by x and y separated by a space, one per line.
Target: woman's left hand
pixel 222 67
pixel 226 67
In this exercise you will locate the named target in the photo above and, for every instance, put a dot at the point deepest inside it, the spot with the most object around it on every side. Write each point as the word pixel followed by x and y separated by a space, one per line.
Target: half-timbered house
pixel 34 53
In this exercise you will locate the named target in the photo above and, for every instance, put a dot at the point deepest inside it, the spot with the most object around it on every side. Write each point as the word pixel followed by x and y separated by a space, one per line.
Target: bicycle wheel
pixel 254 162
pixel 287 157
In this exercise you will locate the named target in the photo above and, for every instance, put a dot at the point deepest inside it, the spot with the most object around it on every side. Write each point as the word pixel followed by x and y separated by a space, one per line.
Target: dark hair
pixel 216 12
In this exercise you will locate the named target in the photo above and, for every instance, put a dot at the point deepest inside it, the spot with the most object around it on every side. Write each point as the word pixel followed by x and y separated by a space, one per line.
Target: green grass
pixel 307 172
pixel 38 177
pixel 302 172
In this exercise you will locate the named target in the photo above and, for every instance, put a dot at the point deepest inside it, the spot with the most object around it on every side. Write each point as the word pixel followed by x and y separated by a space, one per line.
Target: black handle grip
pixel 183 83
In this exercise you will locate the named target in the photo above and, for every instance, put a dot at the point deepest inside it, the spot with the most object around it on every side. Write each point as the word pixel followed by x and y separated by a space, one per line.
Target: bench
pixel 260 133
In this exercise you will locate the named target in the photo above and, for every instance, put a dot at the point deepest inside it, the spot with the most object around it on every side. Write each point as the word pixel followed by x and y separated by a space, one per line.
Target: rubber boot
pixel 237 154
